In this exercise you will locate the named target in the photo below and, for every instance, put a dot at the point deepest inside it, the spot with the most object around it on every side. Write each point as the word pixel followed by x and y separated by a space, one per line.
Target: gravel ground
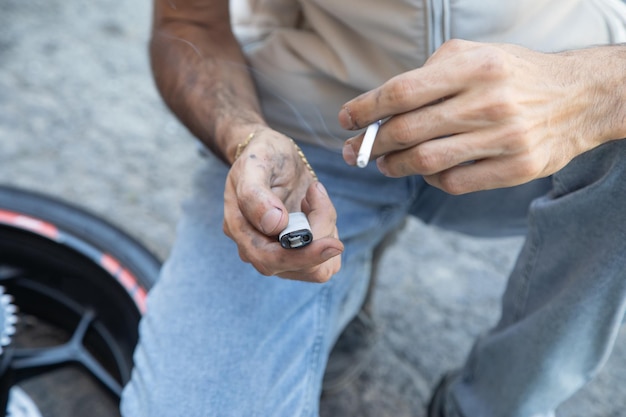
pixel 80 119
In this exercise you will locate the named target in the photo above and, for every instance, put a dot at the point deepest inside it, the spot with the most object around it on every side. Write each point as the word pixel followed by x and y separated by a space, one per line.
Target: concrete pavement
pixel 80 119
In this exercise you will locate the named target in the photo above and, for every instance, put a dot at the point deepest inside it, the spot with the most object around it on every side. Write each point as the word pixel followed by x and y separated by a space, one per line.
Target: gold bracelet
pixel 242 146
pixel 304 160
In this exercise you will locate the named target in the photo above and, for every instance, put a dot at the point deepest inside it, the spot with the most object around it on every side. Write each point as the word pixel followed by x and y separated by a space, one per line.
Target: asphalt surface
pixel 81 120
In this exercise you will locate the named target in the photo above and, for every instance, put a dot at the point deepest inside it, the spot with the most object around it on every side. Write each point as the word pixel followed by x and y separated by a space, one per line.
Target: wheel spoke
pixel 98 372
pixel 28 362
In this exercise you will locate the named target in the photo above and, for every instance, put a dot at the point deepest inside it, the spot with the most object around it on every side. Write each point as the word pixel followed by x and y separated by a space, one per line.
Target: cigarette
pixel 366 146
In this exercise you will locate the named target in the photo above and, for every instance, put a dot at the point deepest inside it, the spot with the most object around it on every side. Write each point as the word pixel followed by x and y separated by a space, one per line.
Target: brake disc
pixel 8 319
pixel 20 404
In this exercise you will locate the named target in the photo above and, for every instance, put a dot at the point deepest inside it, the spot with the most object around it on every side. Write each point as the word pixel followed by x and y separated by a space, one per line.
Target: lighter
pixel 298 232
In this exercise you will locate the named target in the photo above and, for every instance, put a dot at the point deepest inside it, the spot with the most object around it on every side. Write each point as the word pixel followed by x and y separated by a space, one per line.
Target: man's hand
pixel 482 116
pixel 267 182
pixel 201 72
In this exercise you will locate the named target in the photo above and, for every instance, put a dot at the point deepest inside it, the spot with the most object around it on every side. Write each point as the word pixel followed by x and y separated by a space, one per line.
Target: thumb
pixel 262 208
pixel 265 212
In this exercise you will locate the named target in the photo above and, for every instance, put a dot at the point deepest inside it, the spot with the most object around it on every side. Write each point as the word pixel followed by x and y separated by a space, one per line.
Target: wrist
pixel 605 90
pixel 232 137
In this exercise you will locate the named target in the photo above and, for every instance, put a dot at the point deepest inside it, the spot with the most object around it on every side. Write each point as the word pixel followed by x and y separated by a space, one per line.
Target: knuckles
pixel 499 104
pixel 529 167
pixel 451 184
pixel 403 132
pixel 424 161
pixel 493 64
pixel 453 46
pixel 402 90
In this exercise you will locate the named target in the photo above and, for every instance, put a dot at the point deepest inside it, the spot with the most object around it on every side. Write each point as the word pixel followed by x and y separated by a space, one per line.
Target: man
pixel 491 135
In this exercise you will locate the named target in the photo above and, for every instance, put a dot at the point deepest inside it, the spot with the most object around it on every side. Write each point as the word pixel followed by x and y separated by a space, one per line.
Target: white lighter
pixel 298 232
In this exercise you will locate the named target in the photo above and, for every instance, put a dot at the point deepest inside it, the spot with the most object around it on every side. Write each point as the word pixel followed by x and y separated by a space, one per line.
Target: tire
pixel 68 272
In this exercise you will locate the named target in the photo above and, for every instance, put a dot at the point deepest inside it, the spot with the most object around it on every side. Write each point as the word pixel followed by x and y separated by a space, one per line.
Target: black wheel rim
pixel 87 296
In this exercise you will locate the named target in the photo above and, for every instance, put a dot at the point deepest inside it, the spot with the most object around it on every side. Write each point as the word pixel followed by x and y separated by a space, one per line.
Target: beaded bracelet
pixel 242 146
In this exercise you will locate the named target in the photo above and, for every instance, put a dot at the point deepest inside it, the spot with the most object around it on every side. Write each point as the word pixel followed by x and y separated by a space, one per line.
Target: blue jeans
pixel 220 340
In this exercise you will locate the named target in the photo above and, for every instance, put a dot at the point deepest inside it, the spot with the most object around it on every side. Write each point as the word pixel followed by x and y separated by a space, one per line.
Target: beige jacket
pixel 308 57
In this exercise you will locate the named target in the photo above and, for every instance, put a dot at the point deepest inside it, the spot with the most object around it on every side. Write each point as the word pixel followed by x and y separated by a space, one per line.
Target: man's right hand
pixel 267 182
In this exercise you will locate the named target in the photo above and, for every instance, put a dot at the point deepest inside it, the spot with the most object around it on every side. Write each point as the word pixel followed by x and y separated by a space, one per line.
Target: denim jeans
pixel 219 339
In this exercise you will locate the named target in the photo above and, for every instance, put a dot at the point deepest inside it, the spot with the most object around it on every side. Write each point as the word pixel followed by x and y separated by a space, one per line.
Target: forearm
pixel 601 77
pixel 202 75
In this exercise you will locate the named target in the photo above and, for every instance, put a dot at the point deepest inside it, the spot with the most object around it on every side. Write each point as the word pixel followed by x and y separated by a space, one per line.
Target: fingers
pixel 478 109
pixel 438 79
pixel 405 92
pixel 316 262
pixel 402 147
pixel 485 175
pixel 495 157
pixel 446 118
pixel 312 262
pixel 435 156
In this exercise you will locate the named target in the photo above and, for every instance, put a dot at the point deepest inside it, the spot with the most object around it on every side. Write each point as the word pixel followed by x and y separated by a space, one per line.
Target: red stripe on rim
pixel 140 299
pixel 110 264
pixel 29 223
pixel 126 279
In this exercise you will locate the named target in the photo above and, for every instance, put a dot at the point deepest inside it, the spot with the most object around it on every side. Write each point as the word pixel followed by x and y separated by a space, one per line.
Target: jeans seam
pixel 531 262
pixel 317 345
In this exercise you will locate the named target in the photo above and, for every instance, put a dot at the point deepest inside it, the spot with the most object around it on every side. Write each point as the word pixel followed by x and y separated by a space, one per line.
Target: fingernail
pixel 345 118
pixel 322 189
pixel 382 167
pixel 270 220
pixel 348 153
